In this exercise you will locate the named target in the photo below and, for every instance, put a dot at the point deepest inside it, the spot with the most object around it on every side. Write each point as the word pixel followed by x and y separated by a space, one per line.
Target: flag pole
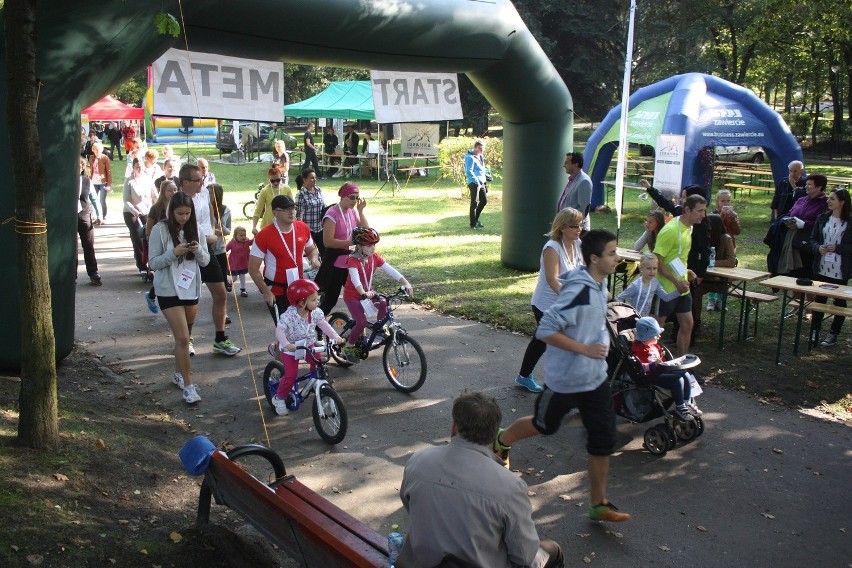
pixel 625 103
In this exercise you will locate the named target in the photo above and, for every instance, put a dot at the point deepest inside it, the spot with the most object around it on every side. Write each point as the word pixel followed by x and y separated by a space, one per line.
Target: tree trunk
pixel 38 424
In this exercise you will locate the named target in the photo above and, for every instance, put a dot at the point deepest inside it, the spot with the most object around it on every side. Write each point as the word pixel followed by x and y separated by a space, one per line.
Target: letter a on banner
pixel 415 97
pixel 206 85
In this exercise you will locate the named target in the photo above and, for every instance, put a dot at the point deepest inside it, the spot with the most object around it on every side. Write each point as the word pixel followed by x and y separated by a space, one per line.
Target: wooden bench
pixel 755 298
pixel 309 528
pixel 735 186
pixel 409 170
pixel 828 309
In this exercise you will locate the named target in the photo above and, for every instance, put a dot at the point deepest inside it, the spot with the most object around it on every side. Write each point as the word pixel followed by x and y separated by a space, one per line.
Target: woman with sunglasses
pixel 337 225
pixel 263 208
pixel 176 258
pixel 560 254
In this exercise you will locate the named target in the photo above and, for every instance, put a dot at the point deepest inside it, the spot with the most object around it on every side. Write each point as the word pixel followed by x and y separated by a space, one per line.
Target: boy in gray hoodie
pixel 574 329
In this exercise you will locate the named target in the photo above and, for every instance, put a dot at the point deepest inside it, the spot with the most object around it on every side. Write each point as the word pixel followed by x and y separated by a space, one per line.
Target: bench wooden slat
pixel 749 187
pixel 291 520
pixel 829 309
pixel 753 296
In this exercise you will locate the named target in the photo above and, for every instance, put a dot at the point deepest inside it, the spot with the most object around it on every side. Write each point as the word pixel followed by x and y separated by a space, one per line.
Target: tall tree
pixel 38 424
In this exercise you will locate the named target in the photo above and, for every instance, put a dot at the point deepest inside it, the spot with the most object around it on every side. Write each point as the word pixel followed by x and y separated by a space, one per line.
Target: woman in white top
pixel 176 259
pixel 138 196
pixel 831 241
pixel 560 254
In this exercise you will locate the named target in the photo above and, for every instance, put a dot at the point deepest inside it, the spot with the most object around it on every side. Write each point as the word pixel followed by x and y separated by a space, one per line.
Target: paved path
pixel 764 486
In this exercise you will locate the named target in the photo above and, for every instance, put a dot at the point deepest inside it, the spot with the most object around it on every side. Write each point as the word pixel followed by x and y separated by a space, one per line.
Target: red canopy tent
pixel 109 108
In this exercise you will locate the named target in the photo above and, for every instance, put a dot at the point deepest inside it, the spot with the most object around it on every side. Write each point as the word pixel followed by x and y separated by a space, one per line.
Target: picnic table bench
pixel 307 526
pixel 735 186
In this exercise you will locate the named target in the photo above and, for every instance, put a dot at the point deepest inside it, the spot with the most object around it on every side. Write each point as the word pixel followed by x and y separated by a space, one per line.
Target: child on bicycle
pixel 358 292
pixel 297 327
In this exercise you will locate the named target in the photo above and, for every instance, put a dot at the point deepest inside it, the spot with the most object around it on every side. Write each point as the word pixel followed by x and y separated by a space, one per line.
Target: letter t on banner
pixel 415 97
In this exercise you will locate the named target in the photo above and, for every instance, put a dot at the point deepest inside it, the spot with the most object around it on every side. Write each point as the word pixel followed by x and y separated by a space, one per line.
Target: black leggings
pixel 837 321
pixel 535 349
pixel 478 200
pixel 333 285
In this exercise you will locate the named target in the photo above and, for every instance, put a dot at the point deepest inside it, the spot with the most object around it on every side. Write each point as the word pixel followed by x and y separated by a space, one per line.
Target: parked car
pixel 753 154
pixel 226 141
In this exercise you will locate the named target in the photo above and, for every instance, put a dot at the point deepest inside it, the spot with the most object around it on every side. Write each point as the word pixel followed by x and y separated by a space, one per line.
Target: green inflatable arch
pixel 86 48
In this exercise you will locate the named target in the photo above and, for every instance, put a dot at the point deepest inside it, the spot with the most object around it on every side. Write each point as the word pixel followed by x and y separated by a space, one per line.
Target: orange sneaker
pixel 607 512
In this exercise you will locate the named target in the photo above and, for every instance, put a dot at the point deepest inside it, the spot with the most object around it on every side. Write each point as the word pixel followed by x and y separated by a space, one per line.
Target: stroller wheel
pixel 686 431
pixel 671 433
pixel 699 426
pixel 657 440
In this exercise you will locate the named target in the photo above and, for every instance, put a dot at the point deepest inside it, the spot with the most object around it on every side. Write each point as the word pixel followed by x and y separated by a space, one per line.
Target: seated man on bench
pixel 445 486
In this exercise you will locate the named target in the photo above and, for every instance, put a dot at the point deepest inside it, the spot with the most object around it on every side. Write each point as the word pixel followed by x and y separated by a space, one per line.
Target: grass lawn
pixel 457 271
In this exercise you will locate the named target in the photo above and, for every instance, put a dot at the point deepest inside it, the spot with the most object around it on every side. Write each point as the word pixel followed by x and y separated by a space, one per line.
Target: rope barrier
pixel 27 227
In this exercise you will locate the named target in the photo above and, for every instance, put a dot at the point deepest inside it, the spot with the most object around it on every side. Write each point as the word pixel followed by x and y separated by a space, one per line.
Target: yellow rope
pixel 27 227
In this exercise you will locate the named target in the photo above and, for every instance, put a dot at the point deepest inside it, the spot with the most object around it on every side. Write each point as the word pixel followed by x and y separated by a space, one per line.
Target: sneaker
pixel 95 279
pixel 152 303
pixel 607 512
pixel 829 340
pixel 227 320
pixel 229 287
pixel 226 347
pixel 693 408
pixel 711 305
pixel 191 348
pixel 529 383
pixel 352 353
pixel 243 294
pixel 682 414
pixel 190 394
pixel 479 225
pixel 177 379
pixel 501 451
pixel 280 406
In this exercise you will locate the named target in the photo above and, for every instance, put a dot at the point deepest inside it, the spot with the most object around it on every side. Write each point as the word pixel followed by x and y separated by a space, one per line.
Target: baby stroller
pixel 635 397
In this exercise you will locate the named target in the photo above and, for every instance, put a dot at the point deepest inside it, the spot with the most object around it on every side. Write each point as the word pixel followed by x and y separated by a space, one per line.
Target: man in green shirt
pixel 672 250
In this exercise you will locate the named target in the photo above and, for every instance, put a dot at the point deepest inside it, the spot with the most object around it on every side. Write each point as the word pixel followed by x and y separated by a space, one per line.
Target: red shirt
pixel 278 254
pixel 647 353
pixel 365 273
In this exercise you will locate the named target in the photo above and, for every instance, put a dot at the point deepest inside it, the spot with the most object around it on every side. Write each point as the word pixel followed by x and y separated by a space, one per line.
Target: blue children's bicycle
pixel 403 359
pixel 329 413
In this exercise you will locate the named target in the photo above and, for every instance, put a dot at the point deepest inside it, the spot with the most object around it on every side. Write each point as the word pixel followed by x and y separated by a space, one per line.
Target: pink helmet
pixel 300 289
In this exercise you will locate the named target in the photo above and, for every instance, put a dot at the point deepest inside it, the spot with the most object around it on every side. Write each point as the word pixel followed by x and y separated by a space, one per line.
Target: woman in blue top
pixel 560 254
pixel 474 169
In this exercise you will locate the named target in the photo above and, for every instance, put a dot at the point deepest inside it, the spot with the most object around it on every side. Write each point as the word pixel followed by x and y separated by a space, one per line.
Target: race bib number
pixel 292 275
pixel 678 267
pixel 186 278
pixel 830 258
pixel 370 310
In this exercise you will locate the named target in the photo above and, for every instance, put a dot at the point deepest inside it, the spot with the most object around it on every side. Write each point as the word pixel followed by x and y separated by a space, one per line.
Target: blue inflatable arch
pixel 708 110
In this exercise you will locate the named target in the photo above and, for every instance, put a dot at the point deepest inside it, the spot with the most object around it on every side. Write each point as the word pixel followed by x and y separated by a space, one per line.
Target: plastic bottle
pixel 712 263
pixel 395 540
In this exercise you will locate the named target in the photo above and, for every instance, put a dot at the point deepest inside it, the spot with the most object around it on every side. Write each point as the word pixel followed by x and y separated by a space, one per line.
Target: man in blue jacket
pixel 574 329
pixel 474 169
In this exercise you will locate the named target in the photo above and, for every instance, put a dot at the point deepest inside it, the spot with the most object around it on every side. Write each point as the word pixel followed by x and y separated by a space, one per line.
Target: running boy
pixel 642 290
pixel 574 328
pixel 297 326
pixel 358 292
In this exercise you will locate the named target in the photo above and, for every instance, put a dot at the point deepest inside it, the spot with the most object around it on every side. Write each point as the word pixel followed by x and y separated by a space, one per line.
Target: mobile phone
pixel 829 286
pixel 192 243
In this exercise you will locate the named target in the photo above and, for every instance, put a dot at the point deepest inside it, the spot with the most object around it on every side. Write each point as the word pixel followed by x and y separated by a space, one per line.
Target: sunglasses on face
pixel 353 197
pixel 277 180
pixel 572 226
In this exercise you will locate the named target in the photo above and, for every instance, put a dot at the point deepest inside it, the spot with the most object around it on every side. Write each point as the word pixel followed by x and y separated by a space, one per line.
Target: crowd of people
pixel 179 226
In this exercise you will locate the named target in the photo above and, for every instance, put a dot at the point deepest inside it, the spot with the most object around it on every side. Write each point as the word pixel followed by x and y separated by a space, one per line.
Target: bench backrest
pixel 306 525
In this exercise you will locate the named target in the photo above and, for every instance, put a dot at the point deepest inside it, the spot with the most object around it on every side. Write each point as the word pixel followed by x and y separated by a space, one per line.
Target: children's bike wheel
pixel 272 375
pixel 248 209
pixel 404 363
pixel 331 428
pixel 338 321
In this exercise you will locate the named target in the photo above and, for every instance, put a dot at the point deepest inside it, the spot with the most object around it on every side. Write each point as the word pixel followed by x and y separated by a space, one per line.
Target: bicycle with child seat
pixel 403 359
pixel 329 413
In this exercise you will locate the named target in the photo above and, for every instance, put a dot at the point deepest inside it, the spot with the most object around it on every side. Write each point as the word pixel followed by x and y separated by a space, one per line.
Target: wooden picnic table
pixel 734 278
pixel 791 290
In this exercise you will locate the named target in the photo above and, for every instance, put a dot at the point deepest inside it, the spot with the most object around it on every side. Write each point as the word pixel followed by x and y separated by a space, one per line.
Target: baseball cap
pixel 282 202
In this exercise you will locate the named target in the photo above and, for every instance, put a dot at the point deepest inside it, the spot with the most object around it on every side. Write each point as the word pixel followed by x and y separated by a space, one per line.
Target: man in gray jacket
pixel 578 191
pixel 574 329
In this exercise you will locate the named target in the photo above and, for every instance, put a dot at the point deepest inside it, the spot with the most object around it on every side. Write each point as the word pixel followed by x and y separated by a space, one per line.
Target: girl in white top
pixel 560 254
pixel 640 293
pixel 176 258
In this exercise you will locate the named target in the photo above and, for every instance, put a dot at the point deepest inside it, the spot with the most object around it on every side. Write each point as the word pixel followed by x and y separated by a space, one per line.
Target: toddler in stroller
pixel 648 384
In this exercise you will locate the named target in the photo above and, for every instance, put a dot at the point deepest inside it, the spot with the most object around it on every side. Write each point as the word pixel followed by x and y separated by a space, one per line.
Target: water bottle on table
pixel 712 263
pixel 395 540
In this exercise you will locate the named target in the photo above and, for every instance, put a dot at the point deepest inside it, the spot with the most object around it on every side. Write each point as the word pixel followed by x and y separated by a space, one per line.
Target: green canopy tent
pixel 341 99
